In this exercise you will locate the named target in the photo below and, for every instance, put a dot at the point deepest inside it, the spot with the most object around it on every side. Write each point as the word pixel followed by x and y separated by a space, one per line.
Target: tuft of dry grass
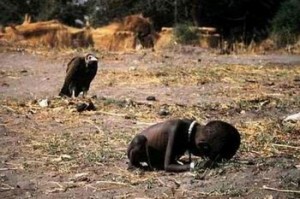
pixel 49 34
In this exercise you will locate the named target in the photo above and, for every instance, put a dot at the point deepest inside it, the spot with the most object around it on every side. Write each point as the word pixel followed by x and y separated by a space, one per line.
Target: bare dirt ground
pixel 56 152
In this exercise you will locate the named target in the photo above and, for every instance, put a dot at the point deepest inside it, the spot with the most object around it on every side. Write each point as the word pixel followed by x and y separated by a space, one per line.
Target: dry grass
pixel 248 90
pixel 116 36
pixel 115 41
pixel 122 36
pixel 47 33
pixel 206 38
pixel 59 139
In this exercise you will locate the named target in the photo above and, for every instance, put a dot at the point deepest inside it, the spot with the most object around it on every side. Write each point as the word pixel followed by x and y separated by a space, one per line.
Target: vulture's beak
pixel 94 59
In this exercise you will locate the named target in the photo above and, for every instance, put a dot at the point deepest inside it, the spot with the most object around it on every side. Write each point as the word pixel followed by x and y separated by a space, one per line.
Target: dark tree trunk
pixel 195 12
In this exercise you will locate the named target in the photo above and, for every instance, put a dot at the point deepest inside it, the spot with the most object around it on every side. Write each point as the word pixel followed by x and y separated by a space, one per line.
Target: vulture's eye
pixel 89 57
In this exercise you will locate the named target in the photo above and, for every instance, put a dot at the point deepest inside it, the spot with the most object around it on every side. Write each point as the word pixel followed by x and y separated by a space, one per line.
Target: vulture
pixel 80 73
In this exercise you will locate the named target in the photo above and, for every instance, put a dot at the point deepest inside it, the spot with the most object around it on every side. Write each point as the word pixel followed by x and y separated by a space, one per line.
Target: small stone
pixel 151 98
pixel 81 107
pixel 80 177
pixel 33 101
pixel 69 102
pixel 65 157
pixel 85 107
pixel 56 159
pixel 26 185
pixel 242 112
pixel 91 107
pixel 57 97
pixel 297 79
pixel 57 109
pixel 293 118
pixel 31 111
pixel 129 117
pixel 129 102
pixel 251 80
pixel 5 84
pixel 163 112
pixel 268 197
pixel 102 98
pixel 22 104
pixel 24 71
pixel 94 97
pixel 132 68
pixel 43 103
pixel 270 84
pixel 28 194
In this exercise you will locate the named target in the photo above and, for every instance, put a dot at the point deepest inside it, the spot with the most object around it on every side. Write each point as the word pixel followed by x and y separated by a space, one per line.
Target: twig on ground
pixel 161 182
pixel 96 126
pixel 287 146
pixel 112 182
pixel 9 109
pixel 112 185
pixel 108 188
pixel 197 193
pixel 176 182
pixel 60 186
pixel 6 169
pixel 126 195
pixel 255 152
pixel 5 187
pixel 90 186
pixel 54 190
pixel 99 163
pixel 280 190
pixel 109 113
pixel 144 123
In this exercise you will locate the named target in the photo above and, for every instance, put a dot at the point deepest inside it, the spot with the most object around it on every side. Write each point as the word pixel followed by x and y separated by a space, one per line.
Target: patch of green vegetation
pixel 112 101
pixel 230 190
pixel 150 183
pixel 185 33
pixel 286 22
pixel 62 144
pixel 103 155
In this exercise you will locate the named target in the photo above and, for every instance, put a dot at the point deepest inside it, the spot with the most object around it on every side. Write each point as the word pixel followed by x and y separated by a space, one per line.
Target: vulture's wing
pixel 73 70
pixel 70 63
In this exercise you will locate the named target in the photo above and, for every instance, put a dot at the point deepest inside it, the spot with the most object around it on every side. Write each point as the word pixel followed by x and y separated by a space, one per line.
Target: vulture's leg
pixel 84 93
pixel 73 93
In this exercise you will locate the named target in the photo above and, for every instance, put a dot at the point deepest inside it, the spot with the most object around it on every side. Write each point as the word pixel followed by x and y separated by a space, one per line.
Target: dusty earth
pixel 56 152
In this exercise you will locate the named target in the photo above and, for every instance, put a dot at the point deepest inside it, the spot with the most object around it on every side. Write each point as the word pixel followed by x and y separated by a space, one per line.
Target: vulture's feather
pixel 79 75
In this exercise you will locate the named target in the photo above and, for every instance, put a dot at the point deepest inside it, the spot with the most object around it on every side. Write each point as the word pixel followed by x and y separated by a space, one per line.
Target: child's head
pixel 217 140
